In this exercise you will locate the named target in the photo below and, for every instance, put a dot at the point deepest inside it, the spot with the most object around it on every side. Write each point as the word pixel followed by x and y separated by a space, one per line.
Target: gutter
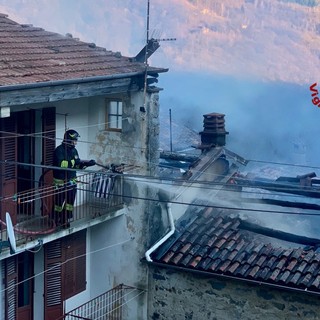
pixel 167 236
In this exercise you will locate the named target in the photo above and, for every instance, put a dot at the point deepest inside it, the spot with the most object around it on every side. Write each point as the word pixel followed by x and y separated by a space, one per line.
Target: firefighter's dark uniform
pixel 66 157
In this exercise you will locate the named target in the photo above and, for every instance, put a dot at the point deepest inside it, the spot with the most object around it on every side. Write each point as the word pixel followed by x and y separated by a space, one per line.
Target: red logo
pixel 315 100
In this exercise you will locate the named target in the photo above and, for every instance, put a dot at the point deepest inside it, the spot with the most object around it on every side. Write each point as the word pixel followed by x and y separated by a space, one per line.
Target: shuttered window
pixel 66 270
pixel 49 135
pixel 75 264
pixel 8 170
pixel 11 280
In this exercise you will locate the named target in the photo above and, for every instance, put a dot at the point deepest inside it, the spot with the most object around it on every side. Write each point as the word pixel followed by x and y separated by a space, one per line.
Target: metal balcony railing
pixel 107 306
pixel 32 213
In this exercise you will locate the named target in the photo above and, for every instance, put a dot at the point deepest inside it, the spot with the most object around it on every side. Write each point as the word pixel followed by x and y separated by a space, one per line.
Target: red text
pixel 314 95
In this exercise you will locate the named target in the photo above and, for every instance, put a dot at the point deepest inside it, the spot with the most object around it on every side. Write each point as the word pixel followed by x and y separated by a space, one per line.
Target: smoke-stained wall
pixel 174 294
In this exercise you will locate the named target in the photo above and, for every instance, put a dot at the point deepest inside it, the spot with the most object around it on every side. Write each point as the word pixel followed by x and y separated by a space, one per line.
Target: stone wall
pixel 179 295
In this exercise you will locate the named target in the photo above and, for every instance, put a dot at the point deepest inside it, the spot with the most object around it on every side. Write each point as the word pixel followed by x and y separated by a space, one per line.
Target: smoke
pixel 271 121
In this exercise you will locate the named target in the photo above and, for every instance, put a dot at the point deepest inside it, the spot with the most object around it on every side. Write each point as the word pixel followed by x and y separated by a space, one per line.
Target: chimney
pixel 214 132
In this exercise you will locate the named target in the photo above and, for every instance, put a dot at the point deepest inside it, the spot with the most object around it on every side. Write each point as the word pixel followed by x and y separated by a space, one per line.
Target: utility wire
pixel 169 181
pixel 41 134
pixel 64 262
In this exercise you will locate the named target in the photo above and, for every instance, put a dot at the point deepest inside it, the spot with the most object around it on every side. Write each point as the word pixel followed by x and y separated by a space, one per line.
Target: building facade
pixel 50 83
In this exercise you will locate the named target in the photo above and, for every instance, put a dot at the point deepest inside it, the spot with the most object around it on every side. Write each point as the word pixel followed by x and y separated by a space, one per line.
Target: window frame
pixel 118 114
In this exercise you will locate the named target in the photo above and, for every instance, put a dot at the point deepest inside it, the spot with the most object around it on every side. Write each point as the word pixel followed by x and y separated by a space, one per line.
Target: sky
pixel 253 61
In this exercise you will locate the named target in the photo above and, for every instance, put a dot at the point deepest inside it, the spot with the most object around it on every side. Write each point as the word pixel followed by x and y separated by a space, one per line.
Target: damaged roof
pixel 215 243
pixel 216 240
pixel 30 55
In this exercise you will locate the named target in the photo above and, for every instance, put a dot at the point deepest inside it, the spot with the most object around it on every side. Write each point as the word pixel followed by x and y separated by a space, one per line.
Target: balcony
pixel 109 305
pixel 98 194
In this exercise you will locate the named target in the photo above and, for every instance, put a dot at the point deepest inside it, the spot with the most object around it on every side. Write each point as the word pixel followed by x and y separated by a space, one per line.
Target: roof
pixel 30 55
pixel 214 243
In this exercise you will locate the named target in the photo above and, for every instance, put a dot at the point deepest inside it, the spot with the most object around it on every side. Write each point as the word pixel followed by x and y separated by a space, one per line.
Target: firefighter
pixel 66 156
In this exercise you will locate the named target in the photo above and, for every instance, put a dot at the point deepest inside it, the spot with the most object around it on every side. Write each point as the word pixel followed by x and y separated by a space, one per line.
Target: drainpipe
pixel 167 236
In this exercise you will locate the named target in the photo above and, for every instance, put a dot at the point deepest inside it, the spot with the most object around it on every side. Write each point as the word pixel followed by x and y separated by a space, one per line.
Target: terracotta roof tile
pixel 215 264
pixel 168 256
pixel 284 276
pixel 316 283
pixel 223 267
pixel 232 252
pixel 186 260
pixel 253 272
pixel 195 249
pixel 304 282
pixel 263 273
pixel 302 266
pixel 214 252
pixel 232 269
pixel 252 257
pixel 185 248
pixel 292 264
pixel 241 256
pixel 205 263
pixel 275 274
pixel 177 258
pixel 211 241
pixel 314 268
pixel 271 261
pixel 30 55
pixel 295 278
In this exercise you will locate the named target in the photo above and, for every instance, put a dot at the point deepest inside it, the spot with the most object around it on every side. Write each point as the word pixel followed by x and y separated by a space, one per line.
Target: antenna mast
pixel 146 60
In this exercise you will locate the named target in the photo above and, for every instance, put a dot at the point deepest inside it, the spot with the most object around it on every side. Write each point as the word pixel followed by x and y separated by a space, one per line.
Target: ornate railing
pixel 107 306
pixel 32 213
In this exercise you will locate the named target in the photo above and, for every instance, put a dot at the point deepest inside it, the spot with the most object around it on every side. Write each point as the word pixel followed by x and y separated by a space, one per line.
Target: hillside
pixel 265 39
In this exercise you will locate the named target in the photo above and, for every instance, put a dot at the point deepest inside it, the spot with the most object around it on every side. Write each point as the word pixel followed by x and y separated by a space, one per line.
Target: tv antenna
pixel 11 239
pixel 151 46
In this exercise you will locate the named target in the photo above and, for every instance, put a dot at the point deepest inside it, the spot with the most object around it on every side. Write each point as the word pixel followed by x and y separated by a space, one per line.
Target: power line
pixel 64 262
pixel 207 185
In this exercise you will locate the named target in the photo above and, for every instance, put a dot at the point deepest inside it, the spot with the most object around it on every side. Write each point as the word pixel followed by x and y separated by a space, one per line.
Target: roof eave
pixel 213 274
pixel 33 85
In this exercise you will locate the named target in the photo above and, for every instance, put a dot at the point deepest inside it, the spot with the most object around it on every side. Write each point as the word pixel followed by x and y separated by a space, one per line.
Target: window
pixel 65 263
pixel 114 115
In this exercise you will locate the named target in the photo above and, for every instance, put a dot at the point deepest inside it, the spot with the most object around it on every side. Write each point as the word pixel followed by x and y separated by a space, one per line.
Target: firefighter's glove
pixel 91 163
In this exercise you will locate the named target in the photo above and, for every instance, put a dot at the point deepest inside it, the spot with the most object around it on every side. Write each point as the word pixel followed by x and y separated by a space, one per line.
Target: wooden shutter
pixel 48 146
pixel 8 171
pixel 11 292
pixel 75 266
pixel 49 135
pixel 65 276
pixel 53 280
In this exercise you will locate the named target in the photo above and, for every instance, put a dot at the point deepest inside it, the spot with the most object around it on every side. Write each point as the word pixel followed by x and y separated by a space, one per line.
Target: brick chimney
pixel 214 132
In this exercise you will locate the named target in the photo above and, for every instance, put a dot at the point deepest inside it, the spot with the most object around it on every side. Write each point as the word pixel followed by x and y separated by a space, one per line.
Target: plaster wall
pixel 179 295
pixel 114 247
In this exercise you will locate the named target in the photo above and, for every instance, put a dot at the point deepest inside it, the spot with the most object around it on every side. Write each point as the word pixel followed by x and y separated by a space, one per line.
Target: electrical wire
pixel 147 179
pixel 64 262
pixel 41 134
